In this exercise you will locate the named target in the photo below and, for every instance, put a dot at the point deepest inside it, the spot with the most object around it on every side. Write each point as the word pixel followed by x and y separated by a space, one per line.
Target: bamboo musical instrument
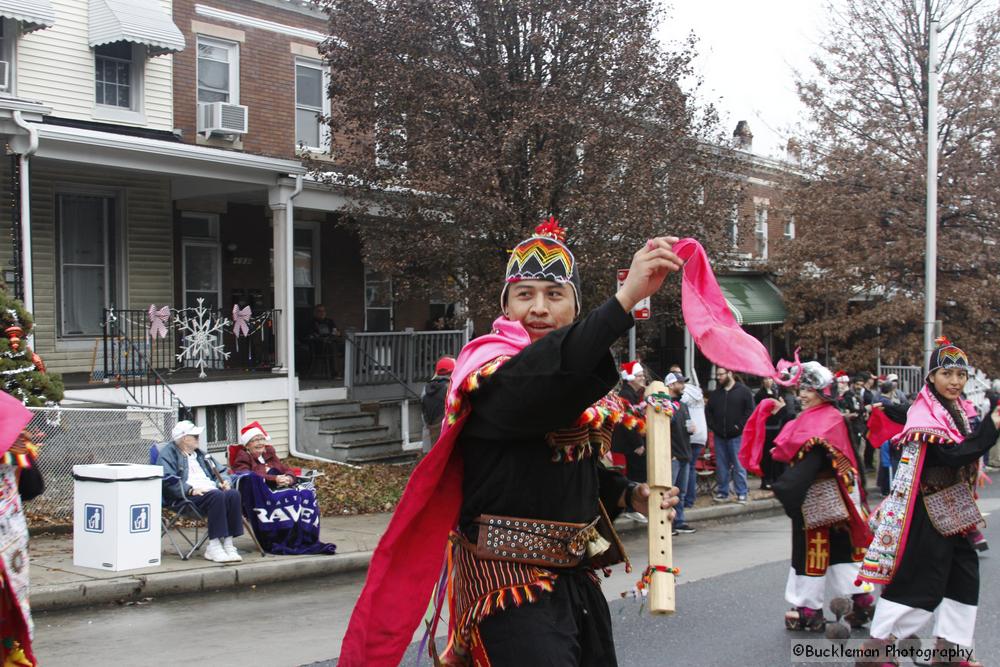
pixel 660 479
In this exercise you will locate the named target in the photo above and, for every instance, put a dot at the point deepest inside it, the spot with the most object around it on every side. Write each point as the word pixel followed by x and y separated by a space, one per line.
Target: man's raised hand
pixel 650 265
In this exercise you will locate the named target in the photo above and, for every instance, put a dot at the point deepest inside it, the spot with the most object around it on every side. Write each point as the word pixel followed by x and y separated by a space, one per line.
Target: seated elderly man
pixel 259 457
pixel 188 473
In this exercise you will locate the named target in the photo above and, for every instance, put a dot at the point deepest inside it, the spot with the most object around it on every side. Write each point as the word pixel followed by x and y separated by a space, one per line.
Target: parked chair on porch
pixel 177 512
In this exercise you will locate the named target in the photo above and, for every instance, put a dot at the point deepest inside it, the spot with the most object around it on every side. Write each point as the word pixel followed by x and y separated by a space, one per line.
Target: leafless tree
pixel 854 277
pixel 464 123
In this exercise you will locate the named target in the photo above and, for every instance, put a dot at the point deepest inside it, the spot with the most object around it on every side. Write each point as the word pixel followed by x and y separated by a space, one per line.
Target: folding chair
pixel 180 510
pixel 704 468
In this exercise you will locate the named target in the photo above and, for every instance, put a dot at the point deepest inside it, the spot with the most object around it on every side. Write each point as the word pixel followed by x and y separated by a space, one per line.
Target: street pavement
pixel 729 601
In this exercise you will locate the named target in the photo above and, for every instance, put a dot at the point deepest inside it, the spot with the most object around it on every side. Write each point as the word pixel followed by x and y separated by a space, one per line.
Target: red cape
pixel 881 428
pixel 752 447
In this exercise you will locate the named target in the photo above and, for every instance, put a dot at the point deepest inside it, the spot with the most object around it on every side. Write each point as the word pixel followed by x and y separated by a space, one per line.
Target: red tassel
pixel 941 341
pixel 550 227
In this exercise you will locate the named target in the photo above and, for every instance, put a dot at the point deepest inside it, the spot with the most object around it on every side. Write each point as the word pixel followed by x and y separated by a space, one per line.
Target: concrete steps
pixel 342 431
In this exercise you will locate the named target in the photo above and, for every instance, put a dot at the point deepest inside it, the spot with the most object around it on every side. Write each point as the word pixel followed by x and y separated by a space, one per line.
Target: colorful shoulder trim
pixel 455 405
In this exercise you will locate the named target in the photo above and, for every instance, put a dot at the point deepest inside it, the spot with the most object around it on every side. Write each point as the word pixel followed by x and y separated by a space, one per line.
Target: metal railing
pixel 404 357
pixel 911 378
pixel 143 364
pixel 73 436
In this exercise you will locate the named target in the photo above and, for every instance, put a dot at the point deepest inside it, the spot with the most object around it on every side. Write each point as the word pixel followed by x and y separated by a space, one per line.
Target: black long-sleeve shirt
pixel 509 467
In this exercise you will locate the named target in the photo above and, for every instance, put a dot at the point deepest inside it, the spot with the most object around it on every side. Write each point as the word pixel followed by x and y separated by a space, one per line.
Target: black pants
pixel 223 511
pixel 934 567
pixel 569 627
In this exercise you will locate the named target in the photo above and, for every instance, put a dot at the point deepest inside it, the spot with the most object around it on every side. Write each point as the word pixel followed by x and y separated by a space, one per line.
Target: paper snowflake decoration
pixel 201 337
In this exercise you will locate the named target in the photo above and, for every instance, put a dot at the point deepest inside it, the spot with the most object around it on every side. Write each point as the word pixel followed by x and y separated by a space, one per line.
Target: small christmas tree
pixel 22 372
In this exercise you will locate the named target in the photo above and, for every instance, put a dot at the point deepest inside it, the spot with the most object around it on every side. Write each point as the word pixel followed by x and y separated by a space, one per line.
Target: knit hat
pixel 631 369
pixel 947 355
pixel 543 256
pixel 251 431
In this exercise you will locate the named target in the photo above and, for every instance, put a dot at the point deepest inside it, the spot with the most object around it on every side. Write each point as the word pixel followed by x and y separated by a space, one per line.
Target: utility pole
pixel 930 256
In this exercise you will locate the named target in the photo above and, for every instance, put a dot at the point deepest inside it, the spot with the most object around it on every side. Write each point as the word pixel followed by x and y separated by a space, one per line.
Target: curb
pixel 276 569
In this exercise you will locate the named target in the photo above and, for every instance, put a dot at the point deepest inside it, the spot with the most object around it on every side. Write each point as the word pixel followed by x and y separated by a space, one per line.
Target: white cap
pixel 672 378
pixel 183 428
pixel 892 377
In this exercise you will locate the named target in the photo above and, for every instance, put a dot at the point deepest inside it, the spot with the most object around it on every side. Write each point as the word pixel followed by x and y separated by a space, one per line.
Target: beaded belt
pixel 536 542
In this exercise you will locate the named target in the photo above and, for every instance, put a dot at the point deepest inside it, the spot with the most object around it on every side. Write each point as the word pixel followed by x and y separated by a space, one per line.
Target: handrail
pixel 350 339
pixel 140 364
pixel 175 400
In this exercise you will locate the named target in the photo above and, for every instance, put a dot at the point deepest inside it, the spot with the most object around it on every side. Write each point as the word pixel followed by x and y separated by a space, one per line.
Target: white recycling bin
pixel 116 515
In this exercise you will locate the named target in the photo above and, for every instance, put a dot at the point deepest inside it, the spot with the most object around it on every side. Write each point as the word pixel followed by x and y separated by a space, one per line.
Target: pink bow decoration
pixel 158 321
pixel 241 321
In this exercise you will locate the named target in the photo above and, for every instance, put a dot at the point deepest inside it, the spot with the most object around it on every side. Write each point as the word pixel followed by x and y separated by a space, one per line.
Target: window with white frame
pixel 790 228
pixel 8 36
pixel 218 70
pixel 760 226
pixel 221 427
pixel 378 301
pixel 118 74
pixel 311 103
pixel 86 261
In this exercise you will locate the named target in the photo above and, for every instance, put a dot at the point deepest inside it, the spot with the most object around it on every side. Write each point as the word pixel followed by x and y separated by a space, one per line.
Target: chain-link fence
pixel 74 436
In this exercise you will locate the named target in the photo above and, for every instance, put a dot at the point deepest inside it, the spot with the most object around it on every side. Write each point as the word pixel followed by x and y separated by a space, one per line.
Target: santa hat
pixel 630 369
pixel 842 376
pixel 251 431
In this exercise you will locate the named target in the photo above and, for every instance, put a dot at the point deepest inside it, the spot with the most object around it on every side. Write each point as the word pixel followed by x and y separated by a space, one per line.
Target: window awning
pixel 753 299
pixel 31 14
pixel 137 21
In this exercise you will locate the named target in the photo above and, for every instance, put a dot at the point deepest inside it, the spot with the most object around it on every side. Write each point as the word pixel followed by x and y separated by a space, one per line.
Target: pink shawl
pixel 13 418
pixel 928 415
pixel 822 421
pixel 409 556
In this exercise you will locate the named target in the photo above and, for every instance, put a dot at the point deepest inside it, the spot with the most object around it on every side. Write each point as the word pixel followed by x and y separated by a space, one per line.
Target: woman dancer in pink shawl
pixel 822 475
pixel 920 551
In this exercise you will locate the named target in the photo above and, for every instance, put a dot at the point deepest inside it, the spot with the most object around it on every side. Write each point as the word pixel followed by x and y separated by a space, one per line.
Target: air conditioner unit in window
pixel 222 118
pixel 4 75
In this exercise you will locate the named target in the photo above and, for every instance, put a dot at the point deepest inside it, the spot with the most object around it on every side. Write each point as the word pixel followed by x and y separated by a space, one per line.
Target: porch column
pixel 278 200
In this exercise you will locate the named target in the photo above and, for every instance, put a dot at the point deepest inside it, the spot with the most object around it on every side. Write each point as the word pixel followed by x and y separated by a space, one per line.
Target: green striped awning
pixel 754 299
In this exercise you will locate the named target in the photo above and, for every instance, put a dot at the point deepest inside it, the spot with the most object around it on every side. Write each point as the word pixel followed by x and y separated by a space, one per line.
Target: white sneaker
pixel 637 517
pixel 215 552
pixel 232 555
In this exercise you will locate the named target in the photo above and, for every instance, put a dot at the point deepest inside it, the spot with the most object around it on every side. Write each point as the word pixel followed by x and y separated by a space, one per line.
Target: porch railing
pixel 405 357
pixel 145 365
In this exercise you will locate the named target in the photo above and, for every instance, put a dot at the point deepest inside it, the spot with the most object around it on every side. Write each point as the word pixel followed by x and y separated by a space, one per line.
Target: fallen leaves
pixel 343 490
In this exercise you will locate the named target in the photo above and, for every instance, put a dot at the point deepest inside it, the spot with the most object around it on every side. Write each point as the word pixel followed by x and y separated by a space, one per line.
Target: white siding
pixel 56 66
pixel 148 225
pixel 273 416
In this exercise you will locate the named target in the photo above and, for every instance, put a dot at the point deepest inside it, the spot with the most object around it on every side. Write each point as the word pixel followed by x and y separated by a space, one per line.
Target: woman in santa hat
pixel 257 456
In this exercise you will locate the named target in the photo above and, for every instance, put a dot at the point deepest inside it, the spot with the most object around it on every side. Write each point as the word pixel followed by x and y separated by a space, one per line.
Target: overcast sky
pixel 747 52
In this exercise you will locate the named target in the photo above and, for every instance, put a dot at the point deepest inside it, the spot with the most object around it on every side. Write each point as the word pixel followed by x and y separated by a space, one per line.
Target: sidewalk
pixel 57 584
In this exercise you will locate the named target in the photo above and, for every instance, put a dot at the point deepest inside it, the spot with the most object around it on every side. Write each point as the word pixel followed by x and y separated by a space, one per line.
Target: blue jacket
pixel 175 471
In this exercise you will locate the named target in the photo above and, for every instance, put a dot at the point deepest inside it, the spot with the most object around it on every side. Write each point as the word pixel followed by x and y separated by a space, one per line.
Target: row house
pixel 157 188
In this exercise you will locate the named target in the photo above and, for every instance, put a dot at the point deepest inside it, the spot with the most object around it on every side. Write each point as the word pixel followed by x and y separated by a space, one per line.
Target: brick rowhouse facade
pixel 266 71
